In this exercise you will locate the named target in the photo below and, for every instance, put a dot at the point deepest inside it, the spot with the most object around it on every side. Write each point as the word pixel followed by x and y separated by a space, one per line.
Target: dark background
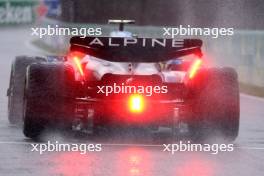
pixel 242 14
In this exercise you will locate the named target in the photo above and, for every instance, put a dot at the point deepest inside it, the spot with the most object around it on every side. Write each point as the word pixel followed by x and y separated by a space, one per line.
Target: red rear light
pixel 76 58
pixel 136 103
pixel 78 65
pixel 194 68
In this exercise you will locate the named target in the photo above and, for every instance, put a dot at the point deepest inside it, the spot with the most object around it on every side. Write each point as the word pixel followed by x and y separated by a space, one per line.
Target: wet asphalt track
pixel 120 156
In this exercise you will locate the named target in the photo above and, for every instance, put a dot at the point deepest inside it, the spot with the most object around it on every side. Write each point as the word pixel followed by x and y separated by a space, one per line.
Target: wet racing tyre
pixel 15 91
pixel 216 106
pixel 49 97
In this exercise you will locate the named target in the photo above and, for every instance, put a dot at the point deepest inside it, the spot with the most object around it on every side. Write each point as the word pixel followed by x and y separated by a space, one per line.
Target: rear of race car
pixel 113 81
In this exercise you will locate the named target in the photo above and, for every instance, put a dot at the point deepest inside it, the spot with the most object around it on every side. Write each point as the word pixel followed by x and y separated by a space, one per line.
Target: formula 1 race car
pixel 107 82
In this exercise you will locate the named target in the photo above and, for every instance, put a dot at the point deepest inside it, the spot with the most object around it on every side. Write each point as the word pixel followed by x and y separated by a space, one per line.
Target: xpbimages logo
pixel 191 147
pixel 181 30
pixel 56 30
pixel 83 148
pixel 131 89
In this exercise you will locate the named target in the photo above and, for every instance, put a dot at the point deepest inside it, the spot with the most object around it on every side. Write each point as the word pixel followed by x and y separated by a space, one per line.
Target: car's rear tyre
pixel 216 107
pixel 15 91
pixel 49 97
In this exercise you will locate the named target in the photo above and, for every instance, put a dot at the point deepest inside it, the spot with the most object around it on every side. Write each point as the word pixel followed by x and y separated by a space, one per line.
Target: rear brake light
pixel 136 103
pixel 194 68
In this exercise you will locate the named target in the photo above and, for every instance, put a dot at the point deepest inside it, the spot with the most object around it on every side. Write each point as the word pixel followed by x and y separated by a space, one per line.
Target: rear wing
pixel 119 49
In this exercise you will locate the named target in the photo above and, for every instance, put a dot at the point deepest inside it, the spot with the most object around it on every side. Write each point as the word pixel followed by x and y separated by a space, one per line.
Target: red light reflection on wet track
pixel 131 161
pixel 195 166
pixel 74 164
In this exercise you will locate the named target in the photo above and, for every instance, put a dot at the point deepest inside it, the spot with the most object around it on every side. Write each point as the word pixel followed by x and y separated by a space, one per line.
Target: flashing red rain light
pixel 136 103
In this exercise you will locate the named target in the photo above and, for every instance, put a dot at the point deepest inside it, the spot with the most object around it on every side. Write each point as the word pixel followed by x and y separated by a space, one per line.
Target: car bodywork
pixel 105 61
